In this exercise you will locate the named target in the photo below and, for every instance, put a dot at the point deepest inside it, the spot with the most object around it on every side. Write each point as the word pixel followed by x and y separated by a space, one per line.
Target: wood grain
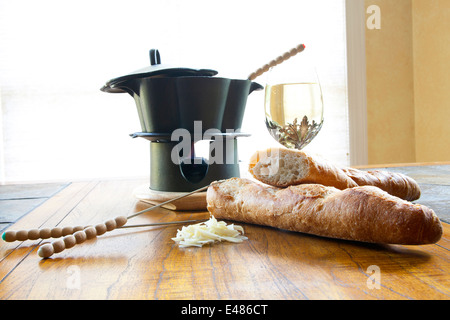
pixel 17 200
pixel 147 264
pixel 195 201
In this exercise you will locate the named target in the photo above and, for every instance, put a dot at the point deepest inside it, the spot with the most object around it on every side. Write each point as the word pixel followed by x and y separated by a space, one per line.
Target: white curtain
pixel 55 55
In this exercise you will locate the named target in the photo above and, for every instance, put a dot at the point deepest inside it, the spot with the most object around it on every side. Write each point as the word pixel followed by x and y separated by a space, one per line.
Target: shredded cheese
pixel 208 232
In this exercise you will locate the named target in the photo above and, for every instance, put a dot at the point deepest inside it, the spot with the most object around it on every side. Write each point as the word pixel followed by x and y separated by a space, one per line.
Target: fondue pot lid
pixel 156 69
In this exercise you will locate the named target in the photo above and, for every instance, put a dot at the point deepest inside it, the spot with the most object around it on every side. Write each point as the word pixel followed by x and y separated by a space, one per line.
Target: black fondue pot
pixel 170 98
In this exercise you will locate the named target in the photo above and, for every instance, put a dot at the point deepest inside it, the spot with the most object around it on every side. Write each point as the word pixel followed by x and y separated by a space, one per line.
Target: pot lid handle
pixel 155 58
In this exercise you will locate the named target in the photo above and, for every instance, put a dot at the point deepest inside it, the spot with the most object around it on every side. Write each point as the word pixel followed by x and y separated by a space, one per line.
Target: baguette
pixel 281 167
pixel 365 213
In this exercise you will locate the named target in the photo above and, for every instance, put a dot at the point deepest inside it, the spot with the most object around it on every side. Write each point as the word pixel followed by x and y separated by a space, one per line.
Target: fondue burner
pixel 178 107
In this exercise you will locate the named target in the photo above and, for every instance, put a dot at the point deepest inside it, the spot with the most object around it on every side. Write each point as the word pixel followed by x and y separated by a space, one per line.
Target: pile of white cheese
pixel 208 232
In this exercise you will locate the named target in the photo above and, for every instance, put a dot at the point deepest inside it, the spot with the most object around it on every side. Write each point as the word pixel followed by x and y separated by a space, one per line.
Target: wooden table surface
pixel 272 264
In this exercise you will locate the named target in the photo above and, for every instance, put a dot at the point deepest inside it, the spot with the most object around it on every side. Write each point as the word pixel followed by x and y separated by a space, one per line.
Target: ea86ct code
pixel 246 309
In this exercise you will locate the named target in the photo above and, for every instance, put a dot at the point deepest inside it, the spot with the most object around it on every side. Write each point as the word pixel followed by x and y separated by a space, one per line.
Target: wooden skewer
pixel 35 234
pixel 69 241
pixel 79 234
pixel 58 232
pixel 276 61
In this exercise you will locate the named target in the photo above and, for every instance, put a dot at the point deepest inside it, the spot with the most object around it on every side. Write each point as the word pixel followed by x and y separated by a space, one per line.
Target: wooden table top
pixel 272 264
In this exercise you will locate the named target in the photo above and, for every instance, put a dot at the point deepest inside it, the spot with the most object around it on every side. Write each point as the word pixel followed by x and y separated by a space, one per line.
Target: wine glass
pixel 293 102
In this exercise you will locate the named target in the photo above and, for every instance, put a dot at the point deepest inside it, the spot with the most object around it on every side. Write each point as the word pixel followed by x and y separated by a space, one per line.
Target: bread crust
pixel 282 167
pixel 365 213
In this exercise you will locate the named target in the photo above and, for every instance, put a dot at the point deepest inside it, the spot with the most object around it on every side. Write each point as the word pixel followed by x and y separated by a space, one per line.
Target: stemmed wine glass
pixel 293 102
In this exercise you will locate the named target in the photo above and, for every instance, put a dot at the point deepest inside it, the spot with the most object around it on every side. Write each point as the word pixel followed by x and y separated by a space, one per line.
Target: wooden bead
pixel 66 231
pixel 69 241
pixel 121 221
pixel 33 234
pixel 46 250
pixel 279 60
pixel 80 236
pixel 293 52
pixel 22 235
pixel 100 228
pixel 9 236
pixel 110 224
pixel 58 246
pixel 90 233
pixel 45 233
pixel 300 47
pixel 77 228
pixel 56 232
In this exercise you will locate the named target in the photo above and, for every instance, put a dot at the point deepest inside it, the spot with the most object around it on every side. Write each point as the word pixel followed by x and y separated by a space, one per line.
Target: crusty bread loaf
pixel 365 213
pixel 285 167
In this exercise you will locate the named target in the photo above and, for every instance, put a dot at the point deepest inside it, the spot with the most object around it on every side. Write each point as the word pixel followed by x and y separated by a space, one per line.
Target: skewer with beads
pixel 35 234
pixel 276 61
pixel 71 236
pixel 80 236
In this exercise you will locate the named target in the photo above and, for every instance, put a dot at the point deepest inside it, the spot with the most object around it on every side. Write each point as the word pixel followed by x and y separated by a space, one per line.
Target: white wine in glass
pixel 294 112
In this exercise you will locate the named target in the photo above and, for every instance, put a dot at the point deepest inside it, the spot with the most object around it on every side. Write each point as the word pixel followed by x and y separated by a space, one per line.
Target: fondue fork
pixel 277 61
pixel 79 234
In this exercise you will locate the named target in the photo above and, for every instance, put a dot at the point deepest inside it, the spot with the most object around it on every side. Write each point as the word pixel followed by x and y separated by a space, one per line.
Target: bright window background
pixel 55 55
